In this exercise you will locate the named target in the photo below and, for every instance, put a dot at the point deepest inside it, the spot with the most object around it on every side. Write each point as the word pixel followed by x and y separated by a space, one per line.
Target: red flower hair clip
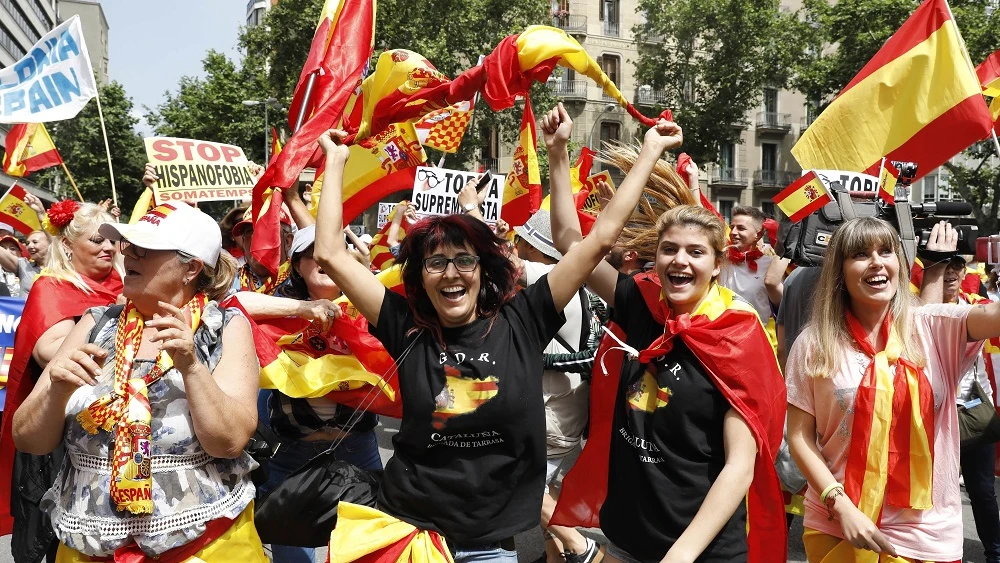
pixel 59 215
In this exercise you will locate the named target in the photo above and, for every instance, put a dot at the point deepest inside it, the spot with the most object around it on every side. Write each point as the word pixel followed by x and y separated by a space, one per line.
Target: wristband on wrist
pixel 826 492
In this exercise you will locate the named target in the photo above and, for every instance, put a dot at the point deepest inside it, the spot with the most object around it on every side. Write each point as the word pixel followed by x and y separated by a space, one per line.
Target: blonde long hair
pixel 664 190
pixel 828 333
pixel 85 222
pixel 217 281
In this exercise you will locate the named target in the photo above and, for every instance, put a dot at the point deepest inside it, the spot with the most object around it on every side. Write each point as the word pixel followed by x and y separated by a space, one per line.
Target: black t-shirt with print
pixel 666 447
pixel 469 457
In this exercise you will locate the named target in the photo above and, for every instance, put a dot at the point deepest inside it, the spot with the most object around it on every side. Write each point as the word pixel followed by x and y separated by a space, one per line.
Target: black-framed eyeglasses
pixel 462 262
pixel 130 250
pixel 425 175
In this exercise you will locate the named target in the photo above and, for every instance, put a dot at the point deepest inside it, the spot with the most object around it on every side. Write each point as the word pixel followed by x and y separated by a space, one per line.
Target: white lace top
pixel 190 487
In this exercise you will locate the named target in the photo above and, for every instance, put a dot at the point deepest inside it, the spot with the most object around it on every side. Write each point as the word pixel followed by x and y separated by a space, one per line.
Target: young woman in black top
pixel 470 453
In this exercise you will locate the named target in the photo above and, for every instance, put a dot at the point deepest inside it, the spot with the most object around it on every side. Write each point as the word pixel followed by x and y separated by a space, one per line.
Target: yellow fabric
pixel 298 375
pixel 824 548
pixel 797 200
pixel 36 140
pixel 887 108
pixel 992 90
pixel 887 182
pixel 239 543
pixel 524 168
pixel 397 72
pixel 145 202
pixel 15 207
pixel 362 530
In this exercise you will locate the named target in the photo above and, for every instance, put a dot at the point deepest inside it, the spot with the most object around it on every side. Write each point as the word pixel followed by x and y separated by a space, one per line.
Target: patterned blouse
pixel 190 487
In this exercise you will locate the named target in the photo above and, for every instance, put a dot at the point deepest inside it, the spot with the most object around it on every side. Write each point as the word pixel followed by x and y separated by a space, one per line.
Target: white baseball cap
pixel 172 226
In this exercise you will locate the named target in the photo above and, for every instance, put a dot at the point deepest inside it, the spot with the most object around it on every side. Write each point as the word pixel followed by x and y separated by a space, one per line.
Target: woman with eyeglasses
pixel 82 271
pixel 153 401
pixel 470 453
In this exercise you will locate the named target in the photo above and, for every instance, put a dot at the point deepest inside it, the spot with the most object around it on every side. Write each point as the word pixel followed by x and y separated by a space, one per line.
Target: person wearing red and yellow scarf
pixel 871 390
pixel 82 271
pixel 152 410
pixel 253 275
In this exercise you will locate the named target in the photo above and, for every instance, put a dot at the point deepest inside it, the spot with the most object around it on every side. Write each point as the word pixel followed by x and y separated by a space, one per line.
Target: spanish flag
pixel 989 77
pixel 275 143
pixel 522 191
pixel 584 187
pixel 29 148
pixel 146 201
pixel 916 100
pixel 727 339
pixel 802 197
pixel 16 213
pixel 887 182
pixel 381 256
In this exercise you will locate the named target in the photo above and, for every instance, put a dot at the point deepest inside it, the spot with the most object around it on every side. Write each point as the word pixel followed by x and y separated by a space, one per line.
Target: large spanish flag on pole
pixel 522 191
pixel 917 100
pixel 29 148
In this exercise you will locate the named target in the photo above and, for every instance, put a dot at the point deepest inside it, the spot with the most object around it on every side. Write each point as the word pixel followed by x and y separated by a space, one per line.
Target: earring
pixel 69 255
pixel 186 282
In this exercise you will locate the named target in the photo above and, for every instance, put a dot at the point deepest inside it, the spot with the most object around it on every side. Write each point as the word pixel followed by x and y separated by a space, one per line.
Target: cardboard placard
pixel 384 209
pixel 435 192
pixel 192 170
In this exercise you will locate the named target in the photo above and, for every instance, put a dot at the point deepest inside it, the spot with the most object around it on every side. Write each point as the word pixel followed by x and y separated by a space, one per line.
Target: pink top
pixel 934 534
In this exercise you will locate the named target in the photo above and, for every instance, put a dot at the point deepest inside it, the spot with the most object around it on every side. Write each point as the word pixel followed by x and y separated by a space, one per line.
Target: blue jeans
pixel 978 470
pixel 358 449
pixel 490 553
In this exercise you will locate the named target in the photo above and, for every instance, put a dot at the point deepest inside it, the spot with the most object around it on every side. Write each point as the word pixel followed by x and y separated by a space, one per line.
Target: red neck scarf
pixel 737 256
pixel 891 455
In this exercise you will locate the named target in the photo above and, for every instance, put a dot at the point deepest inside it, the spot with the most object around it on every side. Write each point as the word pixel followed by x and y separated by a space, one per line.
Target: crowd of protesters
pixel 634 377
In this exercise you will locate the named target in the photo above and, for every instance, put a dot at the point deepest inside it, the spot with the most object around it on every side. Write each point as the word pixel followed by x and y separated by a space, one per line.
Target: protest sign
pixel 10 317
pixel 857 183
pixel 53 81
pixel 435 192
pixel 198 170
pixel 384 210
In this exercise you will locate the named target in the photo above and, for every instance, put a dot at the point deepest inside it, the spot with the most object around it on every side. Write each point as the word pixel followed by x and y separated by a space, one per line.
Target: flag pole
pixel 107 148
pixel 72 181
pixel 996 143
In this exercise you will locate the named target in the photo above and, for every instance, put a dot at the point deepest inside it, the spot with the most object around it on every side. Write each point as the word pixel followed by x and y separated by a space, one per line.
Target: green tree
pixel 715 64
pixel 81 145
pixel 858 29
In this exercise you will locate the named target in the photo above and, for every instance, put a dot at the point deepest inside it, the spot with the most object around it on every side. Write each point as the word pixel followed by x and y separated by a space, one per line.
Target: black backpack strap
pixel 111 313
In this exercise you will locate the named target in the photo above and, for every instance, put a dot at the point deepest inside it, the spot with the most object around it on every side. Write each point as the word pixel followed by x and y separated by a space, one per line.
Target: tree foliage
pixel 715 64
pixel 81 145
pixel 856 30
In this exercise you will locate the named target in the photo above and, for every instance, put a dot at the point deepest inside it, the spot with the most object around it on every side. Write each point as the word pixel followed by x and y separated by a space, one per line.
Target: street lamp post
pixel 607 108
pixel 270 102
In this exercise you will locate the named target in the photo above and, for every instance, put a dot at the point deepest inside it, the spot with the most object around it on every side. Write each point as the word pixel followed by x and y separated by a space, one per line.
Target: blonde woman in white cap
pixel 154 403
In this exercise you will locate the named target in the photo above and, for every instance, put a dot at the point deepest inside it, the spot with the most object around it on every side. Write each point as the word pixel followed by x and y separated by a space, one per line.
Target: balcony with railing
pixel 773 122
pixel 805 122
pixel 491 164
pixel 773 178
pixel 728 177
pixel 610 28
pixel 645 95
pixel 570 23
pixel 569 89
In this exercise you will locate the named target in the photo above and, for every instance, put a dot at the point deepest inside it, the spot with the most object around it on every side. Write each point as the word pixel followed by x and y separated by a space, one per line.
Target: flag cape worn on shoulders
pixel 29 148
pixel 16 213
pixel 728 340
pixel 50 301
pixel 917 100
pixel 522 191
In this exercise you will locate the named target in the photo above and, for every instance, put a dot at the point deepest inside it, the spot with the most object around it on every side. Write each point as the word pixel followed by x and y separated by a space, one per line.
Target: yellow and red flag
pixel 29 148
pixel 16 213
pixel 802 197
pixel 584 187
pixel 887 182
pixel 989 77
pixel 916 100
pixel 522 192
pixel 444 128
pixel 337 59
pixel 275 143
pixel 146 202
pixel 379 253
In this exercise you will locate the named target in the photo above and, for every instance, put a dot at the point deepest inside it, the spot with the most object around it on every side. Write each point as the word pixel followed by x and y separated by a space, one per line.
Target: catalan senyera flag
pixel 405 86
pixel 275 143
pixel 337 58
pixel 802 197
pixel 720 332
pixel 378 166
pixel 379 253
pixel 16 213
pixel 444 128
pixel 989 78
pixel 29 148
pixel 887 182
pixel 916 100
pixel 522 191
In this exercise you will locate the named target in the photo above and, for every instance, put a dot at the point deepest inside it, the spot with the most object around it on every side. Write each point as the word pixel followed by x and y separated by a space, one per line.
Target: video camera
pixel 805 242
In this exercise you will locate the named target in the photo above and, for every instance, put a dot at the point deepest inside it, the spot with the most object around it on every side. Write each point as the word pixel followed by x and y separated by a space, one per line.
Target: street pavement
pixel 530 545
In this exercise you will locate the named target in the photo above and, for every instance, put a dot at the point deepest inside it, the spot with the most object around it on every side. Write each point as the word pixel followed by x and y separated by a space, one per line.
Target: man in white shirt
pixel 747 260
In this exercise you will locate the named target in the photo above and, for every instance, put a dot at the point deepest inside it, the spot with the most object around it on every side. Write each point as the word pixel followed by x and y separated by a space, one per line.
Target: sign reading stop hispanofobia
pixel 192 170
pixel 435 192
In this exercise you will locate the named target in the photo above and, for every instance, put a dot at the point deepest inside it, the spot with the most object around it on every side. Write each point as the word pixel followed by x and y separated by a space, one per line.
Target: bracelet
pixel 828 490
pixel 831 499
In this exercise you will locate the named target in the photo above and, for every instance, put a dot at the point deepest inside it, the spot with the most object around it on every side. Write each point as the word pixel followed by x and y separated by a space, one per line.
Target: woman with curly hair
pixel 469 457
pixel 82 271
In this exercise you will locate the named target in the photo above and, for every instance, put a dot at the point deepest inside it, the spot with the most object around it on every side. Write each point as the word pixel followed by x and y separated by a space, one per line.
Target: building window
pixel 725 207
pixel 21 19
pixel 727 155
pixel 611 131
pixel 770 210
pixel 770 100
pixel 610 12
pixel 768 157
pixel 611 65
pixel 8 42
